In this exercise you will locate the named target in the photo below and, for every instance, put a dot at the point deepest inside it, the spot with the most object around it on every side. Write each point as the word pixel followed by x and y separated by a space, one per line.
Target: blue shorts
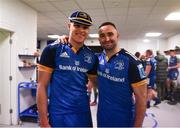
pixel 173 75
pixel 151 82
pixel 82 119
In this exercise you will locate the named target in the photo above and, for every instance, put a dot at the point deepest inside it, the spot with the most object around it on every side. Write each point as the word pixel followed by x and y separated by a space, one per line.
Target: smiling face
pixel 78 33
pixel 108 37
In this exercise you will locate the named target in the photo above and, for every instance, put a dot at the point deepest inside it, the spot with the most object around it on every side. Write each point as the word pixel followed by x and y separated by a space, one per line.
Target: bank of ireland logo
pixel 119 65
pixel 77 63
pixel 87 58
pixel 107 70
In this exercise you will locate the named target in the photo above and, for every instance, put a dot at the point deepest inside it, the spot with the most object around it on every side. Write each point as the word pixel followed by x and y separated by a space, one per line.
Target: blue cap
pixel 81 18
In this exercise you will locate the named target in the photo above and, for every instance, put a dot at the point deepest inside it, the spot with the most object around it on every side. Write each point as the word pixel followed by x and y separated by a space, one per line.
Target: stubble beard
pixel 111 48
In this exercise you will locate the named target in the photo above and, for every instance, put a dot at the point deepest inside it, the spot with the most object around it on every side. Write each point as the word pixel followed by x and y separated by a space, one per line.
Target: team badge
pixel 87 58
pixel 119 65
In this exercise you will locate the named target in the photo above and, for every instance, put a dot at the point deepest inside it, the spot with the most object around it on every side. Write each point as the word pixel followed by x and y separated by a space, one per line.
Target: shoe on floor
pixel 172 102
pixel 157 101
pixel 167 97
pixel 148 104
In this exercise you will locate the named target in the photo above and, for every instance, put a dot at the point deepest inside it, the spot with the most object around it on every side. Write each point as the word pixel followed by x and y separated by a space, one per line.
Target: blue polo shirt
pixel 116 77
pixel 69 68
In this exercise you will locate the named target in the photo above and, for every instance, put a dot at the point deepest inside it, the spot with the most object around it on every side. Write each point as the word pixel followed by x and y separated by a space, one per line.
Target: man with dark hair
pixel 120 74
pixel 65 69
pixel 137 54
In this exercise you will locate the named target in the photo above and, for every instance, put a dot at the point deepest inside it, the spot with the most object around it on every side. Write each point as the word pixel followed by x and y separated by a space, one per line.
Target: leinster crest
pixel 87 58
pixel 119 65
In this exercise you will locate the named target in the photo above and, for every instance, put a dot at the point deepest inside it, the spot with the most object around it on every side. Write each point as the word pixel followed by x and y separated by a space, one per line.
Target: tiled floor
pixel 164 115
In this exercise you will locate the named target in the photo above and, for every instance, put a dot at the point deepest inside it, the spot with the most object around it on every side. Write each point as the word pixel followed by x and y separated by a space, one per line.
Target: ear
pixel 99 39
pixel 118 35
pixel 98 36
pixel 69 25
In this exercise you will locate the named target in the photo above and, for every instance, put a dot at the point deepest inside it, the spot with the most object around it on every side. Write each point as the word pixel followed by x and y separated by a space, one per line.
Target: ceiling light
pixel 93 35
pixel 153 34
pixel 173 16
pixel 53 36
pixel 146 40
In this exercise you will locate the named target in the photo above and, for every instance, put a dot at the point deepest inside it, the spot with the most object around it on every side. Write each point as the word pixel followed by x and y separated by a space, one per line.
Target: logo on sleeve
pixel 141 71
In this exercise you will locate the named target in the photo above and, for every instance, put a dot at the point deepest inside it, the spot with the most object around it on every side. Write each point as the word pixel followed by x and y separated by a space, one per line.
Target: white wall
pixel 22 22
pixel 43 44
pixel 174 41
pixel 4 75
pixel 92 42
pixel 136 45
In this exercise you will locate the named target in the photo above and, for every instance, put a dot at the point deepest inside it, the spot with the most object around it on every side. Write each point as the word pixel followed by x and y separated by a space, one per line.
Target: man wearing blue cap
pixel 66 68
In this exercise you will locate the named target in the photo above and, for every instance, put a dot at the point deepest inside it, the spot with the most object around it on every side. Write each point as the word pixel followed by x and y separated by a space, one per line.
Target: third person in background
pixel 151 74
pixel 138 55
pixel 161 74
pixel 174 64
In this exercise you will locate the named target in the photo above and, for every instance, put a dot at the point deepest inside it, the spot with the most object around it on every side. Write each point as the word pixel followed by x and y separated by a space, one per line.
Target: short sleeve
pixel 136 72
pixel 47 60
